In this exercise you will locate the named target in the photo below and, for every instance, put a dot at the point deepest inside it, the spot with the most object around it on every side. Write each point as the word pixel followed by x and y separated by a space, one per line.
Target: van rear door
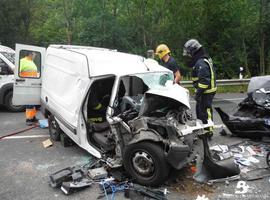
pixel 29 63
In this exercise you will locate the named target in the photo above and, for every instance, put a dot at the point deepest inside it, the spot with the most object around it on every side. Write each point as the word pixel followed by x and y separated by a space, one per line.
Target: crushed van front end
pixel 161 134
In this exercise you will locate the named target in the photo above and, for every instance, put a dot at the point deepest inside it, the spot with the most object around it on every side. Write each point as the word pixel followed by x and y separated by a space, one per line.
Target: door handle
pixel 39 84
pixel 20 80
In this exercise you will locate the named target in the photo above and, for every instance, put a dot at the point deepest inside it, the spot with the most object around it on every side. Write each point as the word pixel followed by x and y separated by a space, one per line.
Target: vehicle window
pixel 29 64
pixel 99 98
pixel 155 80
pixel 132 88
pixel 4 68
pixel 9 56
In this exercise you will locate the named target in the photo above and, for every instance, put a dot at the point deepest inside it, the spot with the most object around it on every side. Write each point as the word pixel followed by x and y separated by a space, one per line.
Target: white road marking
pixel 27 136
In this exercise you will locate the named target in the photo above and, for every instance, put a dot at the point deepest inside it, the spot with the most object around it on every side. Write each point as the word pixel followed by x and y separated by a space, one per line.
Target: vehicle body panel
pixel 66 85
pixel 23 85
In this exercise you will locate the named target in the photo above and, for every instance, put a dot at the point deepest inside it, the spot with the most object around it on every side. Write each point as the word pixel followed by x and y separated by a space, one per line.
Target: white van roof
pixel 105 61
pixel 6 49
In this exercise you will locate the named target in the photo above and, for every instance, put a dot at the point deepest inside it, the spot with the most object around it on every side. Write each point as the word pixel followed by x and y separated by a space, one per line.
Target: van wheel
pixel 65 140
pixel 54 128
pixel 145 162
pixel 9 105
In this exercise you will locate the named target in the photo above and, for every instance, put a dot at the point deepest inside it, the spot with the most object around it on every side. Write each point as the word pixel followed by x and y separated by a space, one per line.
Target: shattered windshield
pixel 133 87
pixel 9 56
pixel 155 80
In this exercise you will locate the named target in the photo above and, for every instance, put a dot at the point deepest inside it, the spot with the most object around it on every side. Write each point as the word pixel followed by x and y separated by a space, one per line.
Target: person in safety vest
pixel 97 112
pixel 204 80
pixel 29 69
pixel 168 61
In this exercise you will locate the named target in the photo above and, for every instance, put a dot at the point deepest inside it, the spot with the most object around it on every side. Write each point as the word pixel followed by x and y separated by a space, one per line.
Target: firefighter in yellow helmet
pixel 168 61
pixel 29 69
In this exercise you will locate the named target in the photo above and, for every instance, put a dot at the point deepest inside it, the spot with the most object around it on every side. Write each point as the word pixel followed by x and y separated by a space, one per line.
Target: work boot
pixel 29 122
pixel 35 120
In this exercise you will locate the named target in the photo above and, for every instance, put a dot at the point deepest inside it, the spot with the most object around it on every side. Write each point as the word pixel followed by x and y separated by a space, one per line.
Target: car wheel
pixel 145 162
pixel 10 106
pixel 54 128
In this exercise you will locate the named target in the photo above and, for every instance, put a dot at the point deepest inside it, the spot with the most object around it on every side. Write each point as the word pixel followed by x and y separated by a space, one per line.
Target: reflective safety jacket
pixel 204 76
pixel 28 68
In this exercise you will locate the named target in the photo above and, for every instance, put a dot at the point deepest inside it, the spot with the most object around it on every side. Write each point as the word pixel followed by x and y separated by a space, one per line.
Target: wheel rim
pixel 143 163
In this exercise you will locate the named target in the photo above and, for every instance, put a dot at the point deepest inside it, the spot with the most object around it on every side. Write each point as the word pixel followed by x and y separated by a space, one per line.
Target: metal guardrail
pixel 221 82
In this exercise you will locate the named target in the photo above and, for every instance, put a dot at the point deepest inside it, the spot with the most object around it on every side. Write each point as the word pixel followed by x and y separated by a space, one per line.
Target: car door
pixel 27 84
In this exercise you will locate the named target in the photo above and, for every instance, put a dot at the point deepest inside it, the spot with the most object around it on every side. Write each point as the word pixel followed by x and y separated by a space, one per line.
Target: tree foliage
pixel 235 32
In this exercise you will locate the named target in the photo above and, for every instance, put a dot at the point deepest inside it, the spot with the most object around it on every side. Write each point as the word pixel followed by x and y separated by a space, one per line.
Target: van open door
pixel 29 63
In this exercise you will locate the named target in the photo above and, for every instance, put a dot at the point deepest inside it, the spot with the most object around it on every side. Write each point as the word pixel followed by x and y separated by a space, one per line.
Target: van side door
pixel 29 64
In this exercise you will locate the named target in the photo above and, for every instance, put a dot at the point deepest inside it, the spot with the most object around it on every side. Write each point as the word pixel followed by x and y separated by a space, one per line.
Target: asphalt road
pixel 25 164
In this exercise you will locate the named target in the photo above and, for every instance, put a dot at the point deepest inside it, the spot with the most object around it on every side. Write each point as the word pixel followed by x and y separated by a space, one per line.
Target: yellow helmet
pixel 162 50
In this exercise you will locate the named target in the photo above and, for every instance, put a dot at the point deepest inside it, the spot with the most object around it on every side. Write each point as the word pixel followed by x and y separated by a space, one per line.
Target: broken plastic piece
pixel 243 161
pixel 57 178
pixel 232 178
pixel 70 187
pixel 97 173
pixel 208 168
pixel 220 148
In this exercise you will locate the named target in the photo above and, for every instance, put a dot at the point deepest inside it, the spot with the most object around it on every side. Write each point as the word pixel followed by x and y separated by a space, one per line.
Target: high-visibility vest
pixel 209 83
pixel 28 68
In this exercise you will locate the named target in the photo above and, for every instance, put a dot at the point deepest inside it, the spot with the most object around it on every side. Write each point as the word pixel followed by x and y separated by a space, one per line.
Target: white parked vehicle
pixel 7 58
pixel 142 119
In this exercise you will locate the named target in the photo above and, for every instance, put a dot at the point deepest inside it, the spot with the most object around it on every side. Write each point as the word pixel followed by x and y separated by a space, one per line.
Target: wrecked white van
pixel 142 122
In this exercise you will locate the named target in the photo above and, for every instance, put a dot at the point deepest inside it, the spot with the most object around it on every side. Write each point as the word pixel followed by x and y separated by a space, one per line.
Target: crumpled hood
pixel 165 96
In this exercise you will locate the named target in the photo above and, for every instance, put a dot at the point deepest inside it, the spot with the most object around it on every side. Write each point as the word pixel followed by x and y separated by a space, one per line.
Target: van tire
pixel 137 159
pixel 54 129
pixel 8 103
pixel 65 140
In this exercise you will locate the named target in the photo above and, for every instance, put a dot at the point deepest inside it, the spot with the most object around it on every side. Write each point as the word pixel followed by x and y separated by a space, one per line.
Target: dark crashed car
pixel 252 119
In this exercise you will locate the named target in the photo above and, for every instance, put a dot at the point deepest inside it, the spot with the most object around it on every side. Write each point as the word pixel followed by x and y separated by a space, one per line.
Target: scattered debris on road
pixel 43 123
pixel 47 143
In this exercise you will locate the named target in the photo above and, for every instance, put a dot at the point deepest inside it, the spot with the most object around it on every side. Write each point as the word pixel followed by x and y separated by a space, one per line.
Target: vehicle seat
pixel 100 127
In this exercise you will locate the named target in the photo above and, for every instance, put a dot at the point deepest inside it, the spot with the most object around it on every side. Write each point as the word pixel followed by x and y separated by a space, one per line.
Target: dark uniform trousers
pixel 205 83
pixel 204 109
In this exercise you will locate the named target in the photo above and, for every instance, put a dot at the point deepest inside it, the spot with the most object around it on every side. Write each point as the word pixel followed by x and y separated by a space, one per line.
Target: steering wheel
pixel 128 102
